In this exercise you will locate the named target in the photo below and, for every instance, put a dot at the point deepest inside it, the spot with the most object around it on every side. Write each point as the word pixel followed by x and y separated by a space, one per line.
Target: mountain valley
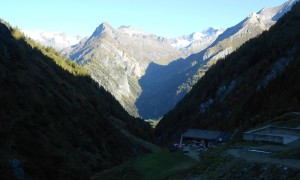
pixel 177 79
pixel 149 74
pixel 119 104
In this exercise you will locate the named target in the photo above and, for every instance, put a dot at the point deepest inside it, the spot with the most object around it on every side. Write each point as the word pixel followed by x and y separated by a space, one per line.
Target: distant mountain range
pixel 187 44
pixel 149 74
pixel 57 40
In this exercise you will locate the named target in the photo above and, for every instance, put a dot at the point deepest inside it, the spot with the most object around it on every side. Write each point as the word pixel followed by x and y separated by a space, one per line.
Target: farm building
pixel 209 137
pixel 281 135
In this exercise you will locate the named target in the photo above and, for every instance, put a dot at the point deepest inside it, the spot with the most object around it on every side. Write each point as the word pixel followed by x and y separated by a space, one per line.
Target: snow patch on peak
pixel 197 35
pixel 213 31
pixel 197 40
pixel 132 31
pixel 205 33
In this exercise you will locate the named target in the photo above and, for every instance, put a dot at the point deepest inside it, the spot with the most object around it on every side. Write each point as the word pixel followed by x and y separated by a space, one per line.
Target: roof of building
pixel 207 135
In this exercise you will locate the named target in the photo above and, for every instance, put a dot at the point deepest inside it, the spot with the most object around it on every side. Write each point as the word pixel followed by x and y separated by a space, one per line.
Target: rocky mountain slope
pixel 251 86
pixel 130 51
pixel 55 121
pixel 117 58
pixel 58 41
pixel 178 77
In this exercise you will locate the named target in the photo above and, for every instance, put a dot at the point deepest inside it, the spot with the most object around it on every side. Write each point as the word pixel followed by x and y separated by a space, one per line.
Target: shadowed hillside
pixel 250 86
pixel 55 121
pixel 164 86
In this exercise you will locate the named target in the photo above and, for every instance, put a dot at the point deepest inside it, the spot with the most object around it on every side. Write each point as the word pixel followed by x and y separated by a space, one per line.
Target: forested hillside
pixel 55 121
pixel 259 81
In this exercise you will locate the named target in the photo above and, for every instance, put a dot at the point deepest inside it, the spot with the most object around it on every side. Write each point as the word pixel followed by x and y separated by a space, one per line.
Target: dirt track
pixel 266 154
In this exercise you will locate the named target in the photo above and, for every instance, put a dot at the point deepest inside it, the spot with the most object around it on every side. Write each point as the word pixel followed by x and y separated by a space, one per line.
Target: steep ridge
pixel 55 121
pixel 116 59
pixel 177 78
pixel 250 27
pixel 250 86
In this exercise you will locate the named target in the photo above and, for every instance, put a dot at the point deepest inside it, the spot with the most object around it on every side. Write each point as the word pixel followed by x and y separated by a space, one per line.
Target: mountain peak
pixel 102 28
pixel 274 13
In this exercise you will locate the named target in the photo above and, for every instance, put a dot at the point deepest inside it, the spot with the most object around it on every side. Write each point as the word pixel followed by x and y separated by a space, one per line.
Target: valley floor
pixel 242 160
pixel 247 160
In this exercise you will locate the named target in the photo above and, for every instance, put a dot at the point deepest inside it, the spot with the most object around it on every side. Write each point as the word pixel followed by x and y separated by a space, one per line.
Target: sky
pixel 168 18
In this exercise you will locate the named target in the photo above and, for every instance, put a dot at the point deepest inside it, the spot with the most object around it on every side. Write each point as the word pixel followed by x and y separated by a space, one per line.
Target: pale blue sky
pixel 169 18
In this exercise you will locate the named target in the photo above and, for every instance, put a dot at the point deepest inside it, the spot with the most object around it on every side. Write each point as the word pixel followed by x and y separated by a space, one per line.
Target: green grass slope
pixel 55 120
pixel 158 165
